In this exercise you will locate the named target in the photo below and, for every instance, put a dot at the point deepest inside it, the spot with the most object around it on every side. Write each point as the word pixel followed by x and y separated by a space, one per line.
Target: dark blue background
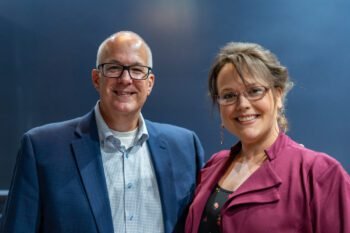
pixel 48 48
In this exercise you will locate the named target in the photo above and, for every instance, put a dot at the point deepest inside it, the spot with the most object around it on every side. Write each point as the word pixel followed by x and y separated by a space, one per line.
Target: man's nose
pixel 125 76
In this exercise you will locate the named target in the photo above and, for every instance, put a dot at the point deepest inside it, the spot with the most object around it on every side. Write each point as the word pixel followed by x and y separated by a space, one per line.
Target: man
pixel 110 170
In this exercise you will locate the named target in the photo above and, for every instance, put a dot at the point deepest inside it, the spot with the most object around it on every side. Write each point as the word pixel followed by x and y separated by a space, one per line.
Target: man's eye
pixel 114 68
pixel 137 70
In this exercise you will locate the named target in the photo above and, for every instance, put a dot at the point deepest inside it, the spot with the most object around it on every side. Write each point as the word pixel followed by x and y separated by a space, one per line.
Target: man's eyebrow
pixel 120 63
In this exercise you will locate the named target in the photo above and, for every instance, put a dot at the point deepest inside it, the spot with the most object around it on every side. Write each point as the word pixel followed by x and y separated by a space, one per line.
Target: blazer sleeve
pixel 199 153
pixel 22 209
pixel 330 204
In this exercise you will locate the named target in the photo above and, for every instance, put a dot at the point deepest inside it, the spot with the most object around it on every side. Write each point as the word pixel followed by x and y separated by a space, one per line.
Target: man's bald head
pixel 128 38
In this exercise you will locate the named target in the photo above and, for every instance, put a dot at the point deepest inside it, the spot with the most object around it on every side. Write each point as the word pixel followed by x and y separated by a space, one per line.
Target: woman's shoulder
pixel 311 160
pixel 217 157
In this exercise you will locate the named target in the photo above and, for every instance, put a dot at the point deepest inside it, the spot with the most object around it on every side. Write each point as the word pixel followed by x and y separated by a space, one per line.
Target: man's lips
pixel 124 93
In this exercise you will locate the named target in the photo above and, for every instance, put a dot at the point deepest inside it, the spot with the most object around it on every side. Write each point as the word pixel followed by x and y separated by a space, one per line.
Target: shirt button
pixel 129 185
pixel 131 217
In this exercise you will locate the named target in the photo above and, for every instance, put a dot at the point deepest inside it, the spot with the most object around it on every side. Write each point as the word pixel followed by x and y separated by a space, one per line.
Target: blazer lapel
pixel 161 158
pixel 88 157
pixel 209 178
pixel 260 187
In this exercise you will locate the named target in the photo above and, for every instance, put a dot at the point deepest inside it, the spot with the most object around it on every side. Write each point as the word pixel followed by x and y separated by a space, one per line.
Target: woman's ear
pixel 279 98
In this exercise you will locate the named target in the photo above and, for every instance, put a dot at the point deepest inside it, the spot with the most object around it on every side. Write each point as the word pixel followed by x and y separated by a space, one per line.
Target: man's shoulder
pixel 53 126
pixel 56 128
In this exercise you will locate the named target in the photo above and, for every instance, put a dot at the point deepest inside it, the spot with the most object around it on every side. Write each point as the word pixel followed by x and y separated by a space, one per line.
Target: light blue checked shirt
pixel 130 177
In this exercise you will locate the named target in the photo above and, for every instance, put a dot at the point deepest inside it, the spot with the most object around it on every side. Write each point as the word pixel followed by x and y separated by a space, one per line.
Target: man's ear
pixel 95 78
pixel 150 81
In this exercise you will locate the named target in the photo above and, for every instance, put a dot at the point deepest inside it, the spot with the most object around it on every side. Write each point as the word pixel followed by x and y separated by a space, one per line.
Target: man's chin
pixel 125 108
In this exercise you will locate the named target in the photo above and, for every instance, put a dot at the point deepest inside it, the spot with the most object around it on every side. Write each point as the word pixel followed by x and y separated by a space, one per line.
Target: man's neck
pixel 122 123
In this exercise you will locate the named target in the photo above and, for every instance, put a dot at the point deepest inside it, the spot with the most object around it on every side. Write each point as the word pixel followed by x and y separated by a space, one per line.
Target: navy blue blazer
pixel 59 185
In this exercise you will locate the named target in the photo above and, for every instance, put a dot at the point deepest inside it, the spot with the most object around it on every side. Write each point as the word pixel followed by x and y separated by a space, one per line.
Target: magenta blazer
pixel 295 190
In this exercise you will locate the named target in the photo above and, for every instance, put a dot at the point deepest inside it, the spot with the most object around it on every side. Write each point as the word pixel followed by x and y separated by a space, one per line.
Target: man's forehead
pixel 124 43
pixel 127 39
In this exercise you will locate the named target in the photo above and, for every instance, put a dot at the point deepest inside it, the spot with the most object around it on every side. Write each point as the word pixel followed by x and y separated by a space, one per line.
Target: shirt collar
pixel 105 132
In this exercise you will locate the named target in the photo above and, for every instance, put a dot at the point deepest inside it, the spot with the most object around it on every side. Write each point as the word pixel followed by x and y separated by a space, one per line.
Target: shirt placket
pixel 130 190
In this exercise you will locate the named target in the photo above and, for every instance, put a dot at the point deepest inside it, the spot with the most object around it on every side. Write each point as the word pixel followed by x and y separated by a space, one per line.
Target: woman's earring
pixel 222 134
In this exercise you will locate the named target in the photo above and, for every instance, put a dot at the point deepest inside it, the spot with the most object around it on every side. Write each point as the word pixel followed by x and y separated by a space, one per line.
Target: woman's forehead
pixel 243 76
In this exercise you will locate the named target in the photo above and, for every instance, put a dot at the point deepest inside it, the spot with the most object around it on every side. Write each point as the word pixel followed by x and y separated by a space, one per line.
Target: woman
pixel 266 182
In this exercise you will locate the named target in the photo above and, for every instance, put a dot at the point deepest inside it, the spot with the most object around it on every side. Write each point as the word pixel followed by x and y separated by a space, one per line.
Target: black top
pixel 211 218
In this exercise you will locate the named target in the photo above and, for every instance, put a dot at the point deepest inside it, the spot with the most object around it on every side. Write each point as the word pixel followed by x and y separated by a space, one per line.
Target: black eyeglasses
pixel 114 70
pixel 253 93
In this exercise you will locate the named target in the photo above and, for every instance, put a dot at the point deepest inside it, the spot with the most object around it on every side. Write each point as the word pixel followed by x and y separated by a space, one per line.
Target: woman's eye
pixel 230 95
pixel 255 91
